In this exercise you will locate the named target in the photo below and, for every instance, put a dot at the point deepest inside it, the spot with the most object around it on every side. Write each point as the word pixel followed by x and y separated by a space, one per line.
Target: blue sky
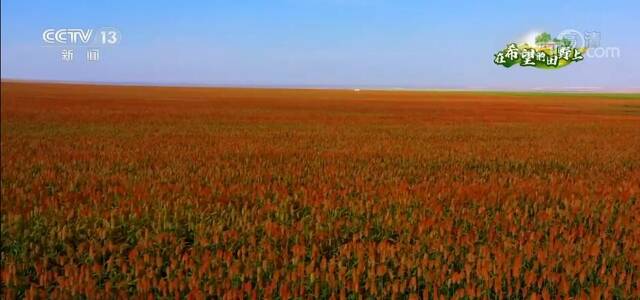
pixel 350 43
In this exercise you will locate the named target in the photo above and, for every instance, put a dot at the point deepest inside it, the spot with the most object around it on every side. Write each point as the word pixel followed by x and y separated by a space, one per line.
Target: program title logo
pixel 545 53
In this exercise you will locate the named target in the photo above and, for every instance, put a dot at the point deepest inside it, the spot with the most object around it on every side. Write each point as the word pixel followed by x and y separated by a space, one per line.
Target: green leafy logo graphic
pixel 547 53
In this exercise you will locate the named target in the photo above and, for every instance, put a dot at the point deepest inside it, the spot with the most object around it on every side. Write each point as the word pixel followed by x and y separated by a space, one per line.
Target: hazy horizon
pixel 585 90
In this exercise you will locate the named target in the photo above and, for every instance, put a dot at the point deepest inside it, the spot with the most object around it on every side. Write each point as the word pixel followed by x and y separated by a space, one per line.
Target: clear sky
pixel 349 43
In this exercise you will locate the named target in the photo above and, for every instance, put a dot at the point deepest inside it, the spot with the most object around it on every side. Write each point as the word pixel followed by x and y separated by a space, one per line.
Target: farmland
pixel 166 192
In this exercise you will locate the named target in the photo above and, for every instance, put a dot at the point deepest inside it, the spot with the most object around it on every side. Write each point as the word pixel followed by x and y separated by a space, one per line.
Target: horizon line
pixel 577 90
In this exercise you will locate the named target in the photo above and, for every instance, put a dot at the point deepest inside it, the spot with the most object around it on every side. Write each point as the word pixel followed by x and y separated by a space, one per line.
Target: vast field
pixel 156 192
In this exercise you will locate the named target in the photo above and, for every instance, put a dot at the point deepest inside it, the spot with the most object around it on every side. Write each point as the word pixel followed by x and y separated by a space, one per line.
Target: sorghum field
pixel 169 193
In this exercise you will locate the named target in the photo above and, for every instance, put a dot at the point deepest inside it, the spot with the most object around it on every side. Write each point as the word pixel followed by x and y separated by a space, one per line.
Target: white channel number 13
pixel 110 37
